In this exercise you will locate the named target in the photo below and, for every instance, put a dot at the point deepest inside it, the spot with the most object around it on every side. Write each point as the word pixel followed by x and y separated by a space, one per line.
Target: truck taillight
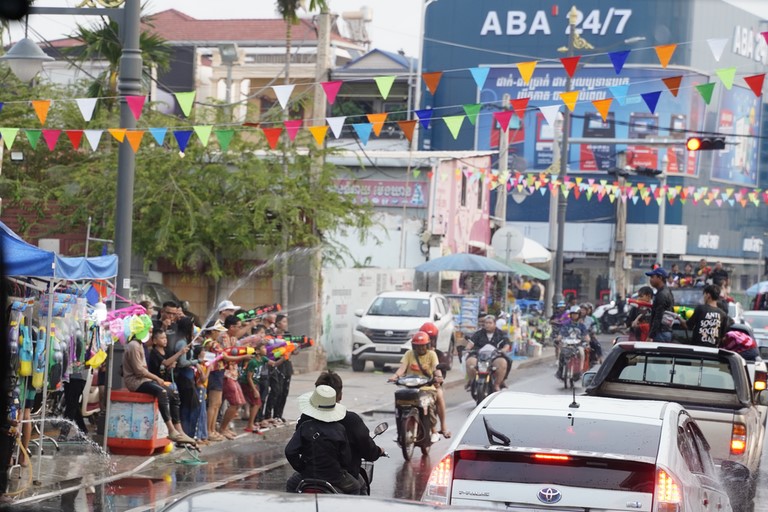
pixel 738 439
pixel 438 489
pixel 667 493
pixel 761 379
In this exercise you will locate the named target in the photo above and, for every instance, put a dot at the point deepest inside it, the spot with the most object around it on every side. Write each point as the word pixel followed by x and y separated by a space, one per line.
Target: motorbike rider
pixel 432 331
pixel 571 329
pixel 555 321
pixel 319 447
pixel 488 335
pixel 590 323
pixel 423 362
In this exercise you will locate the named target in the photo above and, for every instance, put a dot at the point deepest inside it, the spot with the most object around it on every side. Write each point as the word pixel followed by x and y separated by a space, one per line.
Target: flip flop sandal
pixel 445 433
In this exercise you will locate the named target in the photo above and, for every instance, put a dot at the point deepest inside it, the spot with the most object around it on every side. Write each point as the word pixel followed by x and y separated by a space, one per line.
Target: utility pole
pixel 620 246
pixel 502 196
pixel 662 211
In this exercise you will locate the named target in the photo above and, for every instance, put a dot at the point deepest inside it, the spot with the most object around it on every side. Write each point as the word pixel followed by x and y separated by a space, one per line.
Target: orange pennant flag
pixel 570 98
pixel 407 128
pixel 377 120
pixel 673 84
pixel 41 109
pixel 526 70
pixel 117 133
pixel 134 138
pixel 664 52
pixel 318 132
pixel 431 80
pixel 603 106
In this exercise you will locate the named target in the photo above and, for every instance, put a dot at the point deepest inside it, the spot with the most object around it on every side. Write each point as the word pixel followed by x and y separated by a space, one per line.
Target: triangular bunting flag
pixel 432 80
pixel 425 116
pixel 117 133
pixel 651 99
pixel 224 137
pixel 75 137
pixel 1 106
pixel 620 93
pixel 755 82
pixel 765 36
pixel 717 46
pixel 273 136
pixel 664 52
pixel 292 128
pixel 159 135
pixel 526 70
pixel 136 103
pixel 550 113
pixel 185 101
pixel 407 127
pixel 570 98
pixel 454 124
pixel 618 59
pixel 503 118
pixel 603 106
pixel 570 64
pixel 673 84
pixel 86 106
pixel 134 138
pixel 203 133
pixel 33 136
pixel 520 105
pixel 51 137
pixel 377 120
pixel 182 138
pixel 479 75
pixel 336 124
pixel 8 135
pixel 331 89
pixel 706 91
pixel 363 131
pixel 283 93
pixel 472 110
pixel 93 137
pixel 318 132
pixel 41 109
pixel 384 83
pixel 726 75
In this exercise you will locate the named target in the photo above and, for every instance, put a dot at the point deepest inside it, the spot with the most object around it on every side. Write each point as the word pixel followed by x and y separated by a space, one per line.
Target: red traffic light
pixel 705 143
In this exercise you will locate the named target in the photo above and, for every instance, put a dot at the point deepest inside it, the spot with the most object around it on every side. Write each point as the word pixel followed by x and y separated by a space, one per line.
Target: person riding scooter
pixel 569 330
pixel 488 335
pixel 432 331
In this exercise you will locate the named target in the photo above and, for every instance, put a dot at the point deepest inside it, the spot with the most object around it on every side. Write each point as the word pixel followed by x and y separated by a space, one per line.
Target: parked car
pixel 385 329
pixel 758 320
pixel 522 451
pixel 157 293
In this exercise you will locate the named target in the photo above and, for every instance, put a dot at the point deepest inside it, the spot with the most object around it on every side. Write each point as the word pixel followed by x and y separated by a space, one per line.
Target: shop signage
pixel 517 23
pixel 386 193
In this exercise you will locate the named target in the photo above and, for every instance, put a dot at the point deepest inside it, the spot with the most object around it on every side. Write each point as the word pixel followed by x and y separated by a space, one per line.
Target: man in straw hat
pixel 319 448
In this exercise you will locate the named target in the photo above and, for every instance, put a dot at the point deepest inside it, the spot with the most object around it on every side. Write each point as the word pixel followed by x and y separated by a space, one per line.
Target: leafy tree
pixel 288 10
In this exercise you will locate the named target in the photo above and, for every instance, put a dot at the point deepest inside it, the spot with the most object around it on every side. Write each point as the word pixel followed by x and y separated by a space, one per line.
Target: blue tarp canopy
pixel 25 260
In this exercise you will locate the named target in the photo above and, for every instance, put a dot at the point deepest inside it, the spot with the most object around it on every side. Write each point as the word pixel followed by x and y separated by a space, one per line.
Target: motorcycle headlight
pixel 482 366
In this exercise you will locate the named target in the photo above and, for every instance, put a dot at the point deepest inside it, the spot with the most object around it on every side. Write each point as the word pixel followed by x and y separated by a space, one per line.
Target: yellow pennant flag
pixel 526 70
pixel 570 98
pixel 117 133
pixel 377 120
pixel 603 106
pixel 134 138
pixel 664 52
pixel 318 132
pixel 41 109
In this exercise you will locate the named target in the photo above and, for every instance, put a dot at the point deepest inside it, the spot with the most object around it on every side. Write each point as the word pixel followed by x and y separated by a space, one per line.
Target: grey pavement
pixel 82 465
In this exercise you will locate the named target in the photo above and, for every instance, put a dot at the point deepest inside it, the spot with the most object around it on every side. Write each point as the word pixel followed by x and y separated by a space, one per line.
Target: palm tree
pixel 288 10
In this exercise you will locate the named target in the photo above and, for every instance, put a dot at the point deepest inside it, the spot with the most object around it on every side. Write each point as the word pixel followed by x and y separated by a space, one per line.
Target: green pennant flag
pixel 33 136
pixel 726 75
pixel 454 124
pixel 416 173
pixel 224 137
pixel 385 84
pixel 706 91
pixel 472 110
pixel 203 133
pixel 185 100
pixel 8 135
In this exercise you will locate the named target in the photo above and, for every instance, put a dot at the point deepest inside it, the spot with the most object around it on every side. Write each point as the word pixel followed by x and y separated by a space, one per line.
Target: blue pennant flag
pixel 651 99
pixel 425 116
pixel 480 75
pixel 182 137
pixel 159 134
pixel 618 59
pixel 620 93
pixel 363 131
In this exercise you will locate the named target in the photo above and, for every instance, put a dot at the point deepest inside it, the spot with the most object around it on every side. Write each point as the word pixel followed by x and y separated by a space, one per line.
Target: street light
pixel 26 59
pixel 230 56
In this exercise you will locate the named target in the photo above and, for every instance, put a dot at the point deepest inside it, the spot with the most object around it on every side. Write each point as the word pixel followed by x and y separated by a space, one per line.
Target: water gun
pixel 26 352
pixel 38 372
pixel 259 311
pixel 684 311
pixel 640 303
pixel 300 340
pixel 280 347
pixel 233 352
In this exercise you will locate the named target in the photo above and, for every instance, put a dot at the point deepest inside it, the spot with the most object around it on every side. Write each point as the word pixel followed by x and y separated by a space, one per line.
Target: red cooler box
pixel 134 425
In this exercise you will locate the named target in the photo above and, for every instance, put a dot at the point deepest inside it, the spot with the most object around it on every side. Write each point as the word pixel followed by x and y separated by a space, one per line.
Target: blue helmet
pixel 561 304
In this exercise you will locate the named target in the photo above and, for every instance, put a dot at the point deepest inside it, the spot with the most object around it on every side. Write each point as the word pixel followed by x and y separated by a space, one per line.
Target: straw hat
pixel 321 405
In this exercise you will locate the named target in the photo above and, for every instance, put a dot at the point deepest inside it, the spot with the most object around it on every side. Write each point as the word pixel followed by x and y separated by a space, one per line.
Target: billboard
pixel 629 117
pixel 386 193
pixel 739 118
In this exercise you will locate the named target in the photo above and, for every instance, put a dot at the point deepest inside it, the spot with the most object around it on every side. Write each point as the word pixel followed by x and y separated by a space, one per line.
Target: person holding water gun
pixel 280 376
pixel 232 392
pixel 639 318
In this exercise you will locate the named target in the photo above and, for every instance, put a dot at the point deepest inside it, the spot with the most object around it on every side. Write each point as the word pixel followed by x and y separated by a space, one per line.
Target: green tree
pixel 288 10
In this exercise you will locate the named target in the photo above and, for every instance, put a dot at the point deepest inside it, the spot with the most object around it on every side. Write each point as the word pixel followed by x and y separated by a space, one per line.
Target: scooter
pixel 571 361
pixel 611 317
pixel 318 486
pixel 485 380
pixel 415 413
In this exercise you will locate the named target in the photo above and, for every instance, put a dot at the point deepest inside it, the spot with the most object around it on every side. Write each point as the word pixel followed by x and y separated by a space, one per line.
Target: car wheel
pixel 451 350
pixel 358 365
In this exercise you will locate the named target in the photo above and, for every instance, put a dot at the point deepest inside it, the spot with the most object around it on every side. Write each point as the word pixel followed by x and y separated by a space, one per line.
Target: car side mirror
pixel 380 428
pixel 359 313
pixel 762 399
pixel 587 378
pixel 437 317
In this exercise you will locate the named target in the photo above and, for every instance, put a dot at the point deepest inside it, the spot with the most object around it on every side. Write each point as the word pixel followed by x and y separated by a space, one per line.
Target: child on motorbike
pixel 422 362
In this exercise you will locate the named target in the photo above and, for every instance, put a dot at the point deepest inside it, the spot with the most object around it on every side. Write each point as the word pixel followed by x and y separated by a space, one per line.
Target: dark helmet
pixel 420 338
pixel 429 328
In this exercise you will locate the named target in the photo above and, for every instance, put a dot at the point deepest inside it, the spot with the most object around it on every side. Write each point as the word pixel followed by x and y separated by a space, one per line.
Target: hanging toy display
pixel 38 372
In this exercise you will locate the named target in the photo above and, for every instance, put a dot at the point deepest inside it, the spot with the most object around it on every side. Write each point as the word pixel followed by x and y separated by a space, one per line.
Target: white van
pixel 385 329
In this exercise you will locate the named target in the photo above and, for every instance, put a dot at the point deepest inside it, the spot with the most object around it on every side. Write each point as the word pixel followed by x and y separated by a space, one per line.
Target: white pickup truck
pixel 721 390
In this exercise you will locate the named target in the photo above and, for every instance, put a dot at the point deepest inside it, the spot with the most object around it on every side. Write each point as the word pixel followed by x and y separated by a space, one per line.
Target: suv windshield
pixel 398 306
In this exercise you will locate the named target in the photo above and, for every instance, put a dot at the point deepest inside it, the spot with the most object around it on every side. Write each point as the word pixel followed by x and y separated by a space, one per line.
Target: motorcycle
pixel 318 486
pixel 484 382
pixel 611 317
pixel 415 413
pixel 571 361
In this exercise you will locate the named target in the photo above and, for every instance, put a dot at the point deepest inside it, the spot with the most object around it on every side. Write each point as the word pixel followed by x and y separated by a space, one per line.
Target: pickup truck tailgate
pixel 716 425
